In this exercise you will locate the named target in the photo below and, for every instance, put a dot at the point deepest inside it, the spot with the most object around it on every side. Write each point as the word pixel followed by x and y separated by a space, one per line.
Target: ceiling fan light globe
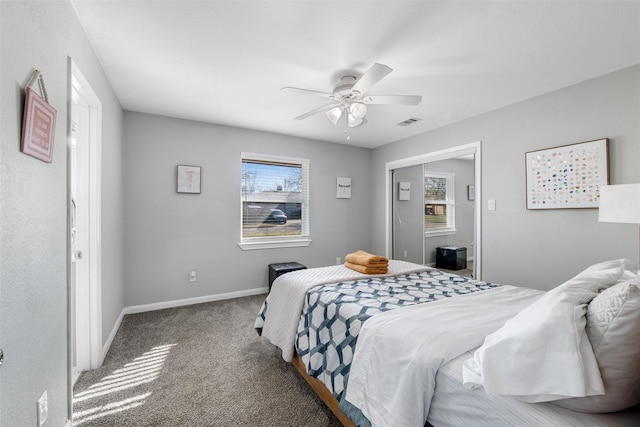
pixel 334 114
pixel 358 110
pixel 353 122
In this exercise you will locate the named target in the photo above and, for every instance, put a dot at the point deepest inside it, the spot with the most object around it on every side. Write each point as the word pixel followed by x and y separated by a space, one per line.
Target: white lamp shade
pixel 334 114
pixel 358 109
pixel 353 122
pixel 620 203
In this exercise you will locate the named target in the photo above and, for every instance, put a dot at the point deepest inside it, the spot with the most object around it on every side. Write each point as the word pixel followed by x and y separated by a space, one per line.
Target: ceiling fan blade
pixel 316 111
pixel 376 73
pixel 393 99
pixel 308 92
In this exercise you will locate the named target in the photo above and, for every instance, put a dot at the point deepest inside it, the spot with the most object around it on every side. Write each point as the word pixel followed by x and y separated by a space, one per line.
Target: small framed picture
pixel 471 192
pixel 343 190
pixel 189 179
pixel 404 191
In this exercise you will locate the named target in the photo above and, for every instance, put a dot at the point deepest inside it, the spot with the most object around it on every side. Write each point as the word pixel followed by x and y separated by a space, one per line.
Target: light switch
pixel 491 205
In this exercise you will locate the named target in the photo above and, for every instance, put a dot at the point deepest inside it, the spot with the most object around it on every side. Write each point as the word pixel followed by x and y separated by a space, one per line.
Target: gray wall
pixel 33 210
pixel 167 234
pixel 539 249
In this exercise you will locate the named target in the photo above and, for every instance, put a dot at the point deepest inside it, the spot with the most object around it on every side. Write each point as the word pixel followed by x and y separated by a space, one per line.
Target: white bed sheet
pixel 392 376
pixel 455 405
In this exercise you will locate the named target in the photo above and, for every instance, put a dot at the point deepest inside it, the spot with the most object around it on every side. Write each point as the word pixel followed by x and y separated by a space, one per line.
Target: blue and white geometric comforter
pixel 333 314
pixel 280 314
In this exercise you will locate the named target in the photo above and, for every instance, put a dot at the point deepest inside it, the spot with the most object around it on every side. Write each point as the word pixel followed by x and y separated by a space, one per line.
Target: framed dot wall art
pixel 567 177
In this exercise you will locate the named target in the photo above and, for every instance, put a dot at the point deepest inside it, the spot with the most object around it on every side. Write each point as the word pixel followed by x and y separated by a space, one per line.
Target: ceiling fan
pixel 350 97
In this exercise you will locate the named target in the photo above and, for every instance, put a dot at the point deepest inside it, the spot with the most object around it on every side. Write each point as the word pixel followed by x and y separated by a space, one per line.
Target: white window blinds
pixel 439 202
pixel 275 198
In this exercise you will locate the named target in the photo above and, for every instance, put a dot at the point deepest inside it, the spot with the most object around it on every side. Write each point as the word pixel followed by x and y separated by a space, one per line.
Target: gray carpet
pixel 199 365
pixel 466 272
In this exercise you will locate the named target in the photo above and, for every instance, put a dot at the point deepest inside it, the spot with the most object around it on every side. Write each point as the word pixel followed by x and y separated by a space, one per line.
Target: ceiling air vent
pixel 409 121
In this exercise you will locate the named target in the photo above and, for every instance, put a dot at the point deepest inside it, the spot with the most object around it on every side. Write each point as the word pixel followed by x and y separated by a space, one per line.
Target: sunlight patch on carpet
pixel 141 370
pixel 109 409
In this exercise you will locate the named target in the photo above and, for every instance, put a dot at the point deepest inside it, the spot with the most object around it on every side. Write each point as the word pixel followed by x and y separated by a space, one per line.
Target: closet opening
pixel 434 202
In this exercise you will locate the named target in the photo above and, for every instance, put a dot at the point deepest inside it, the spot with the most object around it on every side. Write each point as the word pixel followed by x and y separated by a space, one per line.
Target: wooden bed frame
pixel 323 393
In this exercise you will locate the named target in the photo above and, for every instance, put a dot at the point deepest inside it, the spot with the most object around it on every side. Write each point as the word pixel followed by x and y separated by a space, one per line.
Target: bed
pixel 396 348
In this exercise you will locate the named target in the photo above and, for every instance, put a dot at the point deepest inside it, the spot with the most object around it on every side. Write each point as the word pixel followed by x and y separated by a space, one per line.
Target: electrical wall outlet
pixel 193 276
pixel 42 408
pixel 338 262
pixel 405 254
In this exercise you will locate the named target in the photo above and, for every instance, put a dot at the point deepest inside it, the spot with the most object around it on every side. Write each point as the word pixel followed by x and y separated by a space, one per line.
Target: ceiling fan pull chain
pixel 346 125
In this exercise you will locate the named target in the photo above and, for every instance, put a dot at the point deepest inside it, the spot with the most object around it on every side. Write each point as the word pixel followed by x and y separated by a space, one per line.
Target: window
pixel 274 202
pixel 439 203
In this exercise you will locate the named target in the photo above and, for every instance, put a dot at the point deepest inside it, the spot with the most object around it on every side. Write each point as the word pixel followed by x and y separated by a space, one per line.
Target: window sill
pixel 274 244
pixel 447 232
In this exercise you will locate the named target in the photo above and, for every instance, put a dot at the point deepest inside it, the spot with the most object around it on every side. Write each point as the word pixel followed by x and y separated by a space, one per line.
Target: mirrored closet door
pixel 433 209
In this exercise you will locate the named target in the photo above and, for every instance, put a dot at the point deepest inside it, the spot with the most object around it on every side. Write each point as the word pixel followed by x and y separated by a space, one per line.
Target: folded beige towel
pixel 367 269
pixel 366 259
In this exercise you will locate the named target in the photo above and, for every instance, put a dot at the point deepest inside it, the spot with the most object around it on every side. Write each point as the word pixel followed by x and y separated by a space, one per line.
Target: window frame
pixel 450 202
pixel 272 242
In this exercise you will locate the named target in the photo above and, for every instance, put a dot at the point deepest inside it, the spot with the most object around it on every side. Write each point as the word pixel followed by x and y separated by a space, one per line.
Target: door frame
pixel 78 83
pixel 448 153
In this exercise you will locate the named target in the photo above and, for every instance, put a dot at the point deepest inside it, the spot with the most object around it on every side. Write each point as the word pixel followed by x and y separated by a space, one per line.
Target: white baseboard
pixel 171 304
pixel 189 301
pixel 112 335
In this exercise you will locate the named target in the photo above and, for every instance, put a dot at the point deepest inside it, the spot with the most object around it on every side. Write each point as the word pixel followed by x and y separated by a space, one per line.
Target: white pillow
pixel 613 327
pixel 543 353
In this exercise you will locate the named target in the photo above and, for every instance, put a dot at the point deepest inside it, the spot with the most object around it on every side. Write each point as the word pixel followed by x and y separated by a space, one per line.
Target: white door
pixel 85 346
pixel 79 236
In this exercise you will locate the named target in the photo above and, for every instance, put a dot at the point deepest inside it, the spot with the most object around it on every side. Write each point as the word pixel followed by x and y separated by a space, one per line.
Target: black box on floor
pixel 451 257
pixel 279 269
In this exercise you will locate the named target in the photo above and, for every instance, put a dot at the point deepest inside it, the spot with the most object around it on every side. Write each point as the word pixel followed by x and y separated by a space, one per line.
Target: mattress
pixel 455 405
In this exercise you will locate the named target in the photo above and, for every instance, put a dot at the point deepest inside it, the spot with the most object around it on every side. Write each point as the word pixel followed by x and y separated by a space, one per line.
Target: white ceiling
pixel 225 61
